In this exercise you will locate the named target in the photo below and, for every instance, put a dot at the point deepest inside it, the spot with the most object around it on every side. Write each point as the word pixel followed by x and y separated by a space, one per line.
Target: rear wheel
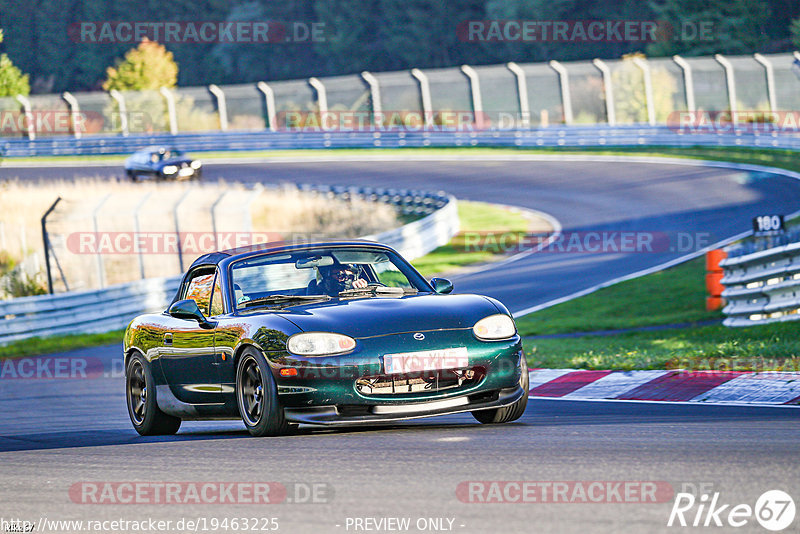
pixel 257 396
pixel 140 391
pixel 512 412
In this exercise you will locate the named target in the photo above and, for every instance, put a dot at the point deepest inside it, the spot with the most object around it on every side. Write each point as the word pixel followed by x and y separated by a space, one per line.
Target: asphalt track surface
pixel 56 433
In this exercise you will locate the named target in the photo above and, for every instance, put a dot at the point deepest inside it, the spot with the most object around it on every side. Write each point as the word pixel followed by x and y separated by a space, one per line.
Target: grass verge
pixel 658 300
pixel 47 345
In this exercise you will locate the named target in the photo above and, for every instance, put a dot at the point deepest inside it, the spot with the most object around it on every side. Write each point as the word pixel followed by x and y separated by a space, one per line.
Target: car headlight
pixel 196 164
pixel 319 344
pixel 169 169
pixel 498 326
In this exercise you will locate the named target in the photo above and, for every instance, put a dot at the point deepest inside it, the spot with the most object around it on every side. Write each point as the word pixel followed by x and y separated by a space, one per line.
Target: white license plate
pixel 426 360
pixel 186 171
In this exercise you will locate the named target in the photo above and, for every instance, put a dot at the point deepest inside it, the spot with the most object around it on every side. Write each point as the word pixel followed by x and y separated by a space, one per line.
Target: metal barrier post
pixel 269 101
pixel 123 111
pixel 222 106
pixel 101 269
pixel 177 225
pixel 611 115
pixel 648 89
pixel 137 230
pixel 375 96
pixel 214 218
pixel 688 81
pixel 566 98
pixel 522 94
pixel 475 91
pixel 730 82
pixel 425 95
pixel 29 122
pixel 768 70
pixel 46 243
pixel 169 98
pixel 322 100
pixel 74 113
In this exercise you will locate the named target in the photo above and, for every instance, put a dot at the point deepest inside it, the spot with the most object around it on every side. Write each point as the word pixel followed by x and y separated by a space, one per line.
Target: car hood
pixel 175 161
pixel 375 316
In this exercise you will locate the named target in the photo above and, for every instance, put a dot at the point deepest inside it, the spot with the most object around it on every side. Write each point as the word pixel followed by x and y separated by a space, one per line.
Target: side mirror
pixel 187 309
pixel 442 285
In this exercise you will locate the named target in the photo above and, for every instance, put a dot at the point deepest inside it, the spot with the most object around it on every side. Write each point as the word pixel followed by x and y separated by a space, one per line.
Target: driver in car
pixel 340 277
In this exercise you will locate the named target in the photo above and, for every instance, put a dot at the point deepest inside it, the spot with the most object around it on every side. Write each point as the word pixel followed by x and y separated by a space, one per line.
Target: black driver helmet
pixel 338 277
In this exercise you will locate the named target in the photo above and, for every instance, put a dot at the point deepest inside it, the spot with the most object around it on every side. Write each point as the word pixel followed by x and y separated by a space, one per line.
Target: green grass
pixel 673 296
pixel 47 345
pixel 773 347
pixel 474 217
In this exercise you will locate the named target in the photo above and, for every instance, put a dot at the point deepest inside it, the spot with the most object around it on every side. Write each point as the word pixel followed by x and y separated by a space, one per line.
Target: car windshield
pixel 319 274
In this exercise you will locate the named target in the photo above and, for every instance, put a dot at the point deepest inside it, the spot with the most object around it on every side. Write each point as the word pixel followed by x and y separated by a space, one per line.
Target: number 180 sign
pixel 768 224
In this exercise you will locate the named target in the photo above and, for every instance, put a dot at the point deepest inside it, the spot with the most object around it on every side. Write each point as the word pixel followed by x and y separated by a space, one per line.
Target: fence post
pixel 214 218
pixel 768 70
pixel 425 95
pixel 123 111
pixel 137 230
pixel 475 91
pixel 608 90
pixel 730 82
pixel 566 98
pixel 169 98
pixel 322 100
pixel 688 81
pixel 269 102
pixel 46 243
pixel 222 106
pixel 101 268
pixel 29 122
pixel 648 89
pixel 522 93
pixel 375 96
pixel 177 225
pixel 74 113
pixel 247 216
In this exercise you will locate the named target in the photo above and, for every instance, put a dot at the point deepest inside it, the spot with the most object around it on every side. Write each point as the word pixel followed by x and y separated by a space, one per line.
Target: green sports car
pixel 321 334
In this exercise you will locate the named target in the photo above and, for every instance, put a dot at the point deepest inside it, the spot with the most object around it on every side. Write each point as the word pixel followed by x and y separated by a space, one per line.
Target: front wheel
pixel 140 391
pixel 257 396
pixel 512 412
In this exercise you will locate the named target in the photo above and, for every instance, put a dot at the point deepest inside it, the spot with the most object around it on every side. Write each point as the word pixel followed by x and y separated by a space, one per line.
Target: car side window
pixel 217 306
pixel 199 290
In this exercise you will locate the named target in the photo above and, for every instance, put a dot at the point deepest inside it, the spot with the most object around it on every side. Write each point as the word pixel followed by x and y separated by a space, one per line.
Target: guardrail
pixel 113 308
pixel 555 136
pixel 762 287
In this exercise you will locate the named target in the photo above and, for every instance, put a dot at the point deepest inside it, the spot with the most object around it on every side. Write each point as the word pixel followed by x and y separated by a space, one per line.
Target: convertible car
pixel 162 163
pixel 322 334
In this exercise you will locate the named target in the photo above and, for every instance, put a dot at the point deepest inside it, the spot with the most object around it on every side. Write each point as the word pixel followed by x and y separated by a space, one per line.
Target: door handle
pixel 168 339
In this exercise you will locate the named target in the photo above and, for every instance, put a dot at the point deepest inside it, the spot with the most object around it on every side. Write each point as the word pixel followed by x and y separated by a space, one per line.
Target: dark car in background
pixel 162 163
pixel 321 334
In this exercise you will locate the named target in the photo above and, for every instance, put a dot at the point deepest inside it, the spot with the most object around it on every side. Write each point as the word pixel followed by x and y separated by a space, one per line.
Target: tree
pixel 12 81
pixel 796 32
pixel 731 26
pixel 148 66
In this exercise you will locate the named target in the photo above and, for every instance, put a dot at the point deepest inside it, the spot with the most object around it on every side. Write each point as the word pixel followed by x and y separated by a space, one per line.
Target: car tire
pixel 140 392
pixel 257 396
pixel 512 412
pixel 132 176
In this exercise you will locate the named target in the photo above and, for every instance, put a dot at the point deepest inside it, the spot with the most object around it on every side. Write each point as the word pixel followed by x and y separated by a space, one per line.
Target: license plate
pixel 186 171
pixel 426 360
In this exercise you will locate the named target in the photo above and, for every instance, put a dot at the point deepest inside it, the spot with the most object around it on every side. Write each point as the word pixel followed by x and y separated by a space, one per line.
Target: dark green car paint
pixel 195 372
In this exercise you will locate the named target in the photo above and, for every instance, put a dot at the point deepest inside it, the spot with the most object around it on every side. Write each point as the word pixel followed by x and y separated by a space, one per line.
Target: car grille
pixel 421 383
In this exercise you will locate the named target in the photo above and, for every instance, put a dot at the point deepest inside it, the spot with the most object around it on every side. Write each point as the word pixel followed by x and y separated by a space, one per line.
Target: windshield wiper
pixel 377 290
pixel 283 299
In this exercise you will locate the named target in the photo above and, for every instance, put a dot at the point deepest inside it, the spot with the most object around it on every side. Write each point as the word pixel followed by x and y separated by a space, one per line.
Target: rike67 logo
pixel 774 510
